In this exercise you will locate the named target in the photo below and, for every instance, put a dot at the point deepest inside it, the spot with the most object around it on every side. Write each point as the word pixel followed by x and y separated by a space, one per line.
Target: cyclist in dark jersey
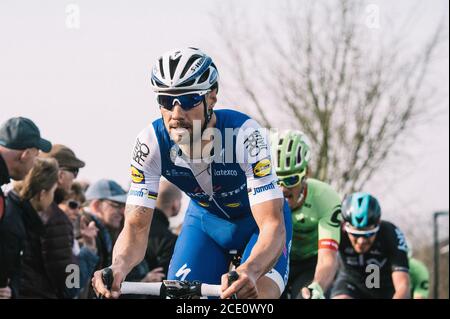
pixel 373 254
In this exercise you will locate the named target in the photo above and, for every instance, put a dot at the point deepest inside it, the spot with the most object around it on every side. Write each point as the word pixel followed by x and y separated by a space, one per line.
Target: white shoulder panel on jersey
pixel 254 155
pixel 145 169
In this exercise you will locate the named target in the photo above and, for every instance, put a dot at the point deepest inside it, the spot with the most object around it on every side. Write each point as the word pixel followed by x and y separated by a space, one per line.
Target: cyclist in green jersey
pixel 316 208
pixel 419 277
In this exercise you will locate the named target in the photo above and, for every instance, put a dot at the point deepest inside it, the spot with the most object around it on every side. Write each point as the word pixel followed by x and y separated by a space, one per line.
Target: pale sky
pixel 88 88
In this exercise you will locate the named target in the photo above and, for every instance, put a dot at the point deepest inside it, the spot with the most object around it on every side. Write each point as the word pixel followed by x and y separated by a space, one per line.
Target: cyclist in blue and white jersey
pixel 221 160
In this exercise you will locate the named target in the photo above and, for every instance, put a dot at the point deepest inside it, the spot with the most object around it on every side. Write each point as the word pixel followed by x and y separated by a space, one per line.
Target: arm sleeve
pixel 254 155
pixel 145 169
pixel 397 249
pixel 330 221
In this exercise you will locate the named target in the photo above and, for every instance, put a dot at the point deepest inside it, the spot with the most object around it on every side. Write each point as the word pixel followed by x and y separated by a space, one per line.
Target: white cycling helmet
pixel 184 70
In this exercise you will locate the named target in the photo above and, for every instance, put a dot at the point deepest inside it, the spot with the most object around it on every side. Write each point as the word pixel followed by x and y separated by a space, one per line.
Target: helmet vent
pixel 360 200
pixel 299 154
pixel 188 83
pixel 173 66
pixel 290 146
pixel 278 158
pixel 189 63
pixel 204 77
pixel 161 69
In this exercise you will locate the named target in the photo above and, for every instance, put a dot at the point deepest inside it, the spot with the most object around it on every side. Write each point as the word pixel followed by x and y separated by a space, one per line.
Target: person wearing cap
pixel 23 227
pixel 106 204
pixel 69 166
pixel 20 142
pixel 58 240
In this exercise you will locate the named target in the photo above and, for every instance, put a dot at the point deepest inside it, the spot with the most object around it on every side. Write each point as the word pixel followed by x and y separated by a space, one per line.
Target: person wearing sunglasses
pixel 373 253
pixel 315 217
pixel 59 238
pixel 235 204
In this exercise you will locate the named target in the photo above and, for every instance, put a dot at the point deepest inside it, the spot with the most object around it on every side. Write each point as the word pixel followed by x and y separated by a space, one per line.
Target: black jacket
pixel 12 241
pixel 25 262
pixel 4 179
pixel 57 244
pixel 161 242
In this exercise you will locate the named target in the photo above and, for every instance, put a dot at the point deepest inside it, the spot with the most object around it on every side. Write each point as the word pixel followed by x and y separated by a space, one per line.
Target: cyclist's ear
pixel 212 98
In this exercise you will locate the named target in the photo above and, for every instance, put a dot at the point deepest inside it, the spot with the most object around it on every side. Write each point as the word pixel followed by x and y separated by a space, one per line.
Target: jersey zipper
pixel 211 198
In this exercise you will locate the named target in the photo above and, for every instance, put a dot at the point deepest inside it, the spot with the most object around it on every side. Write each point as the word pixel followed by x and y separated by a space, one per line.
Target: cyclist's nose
pixel 361 240
pixel 177 112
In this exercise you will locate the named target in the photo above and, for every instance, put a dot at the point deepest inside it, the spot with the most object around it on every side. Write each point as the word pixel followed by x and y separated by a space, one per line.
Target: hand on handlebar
pixel 244 286
pixel 106 282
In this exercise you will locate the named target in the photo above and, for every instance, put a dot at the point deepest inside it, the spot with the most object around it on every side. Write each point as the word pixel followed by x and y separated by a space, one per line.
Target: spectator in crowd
pixel 20 142
pixel 24 223
pixel 73 202
pixel 58 240
pixel 161 240
pixel 106 204
pixel 85 233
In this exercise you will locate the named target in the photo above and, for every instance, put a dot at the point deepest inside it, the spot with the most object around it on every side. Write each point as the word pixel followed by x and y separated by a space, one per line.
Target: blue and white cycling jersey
pixel 227 189
pixel 222 191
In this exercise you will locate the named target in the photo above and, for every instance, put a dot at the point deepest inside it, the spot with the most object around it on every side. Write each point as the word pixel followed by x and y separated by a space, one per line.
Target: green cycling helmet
pixel 293 153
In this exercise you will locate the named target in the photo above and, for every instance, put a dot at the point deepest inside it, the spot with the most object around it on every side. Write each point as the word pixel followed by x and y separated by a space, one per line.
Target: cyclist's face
pixel 362 244
pixel 179 123
pixel 293 194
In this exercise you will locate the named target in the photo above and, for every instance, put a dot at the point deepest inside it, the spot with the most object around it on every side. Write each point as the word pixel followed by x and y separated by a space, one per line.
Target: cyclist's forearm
pixel 401 285
pixel 131 244
pixel 267 249
pixel 326 268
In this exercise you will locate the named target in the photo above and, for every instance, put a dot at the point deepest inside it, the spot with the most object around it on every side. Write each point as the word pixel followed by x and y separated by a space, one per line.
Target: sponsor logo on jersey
pixel 375 261
pixel 137 176
pixel 176 173
pixel 140 152
pixel 401 240
pixel 264 188
pixel 262 168
pixel 199 193
pixel 225 172
pixel 233 205
pixel 255 143
pixel 203 204
pixel 335 220
pixel 143 192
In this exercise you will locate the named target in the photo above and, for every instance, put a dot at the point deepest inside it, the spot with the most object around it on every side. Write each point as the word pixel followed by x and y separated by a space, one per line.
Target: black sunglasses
pixel 73 204
pixel 74 171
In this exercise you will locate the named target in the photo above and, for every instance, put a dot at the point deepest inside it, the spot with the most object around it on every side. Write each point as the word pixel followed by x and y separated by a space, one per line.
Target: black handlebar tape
pixel 107 277
pixel 232 277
